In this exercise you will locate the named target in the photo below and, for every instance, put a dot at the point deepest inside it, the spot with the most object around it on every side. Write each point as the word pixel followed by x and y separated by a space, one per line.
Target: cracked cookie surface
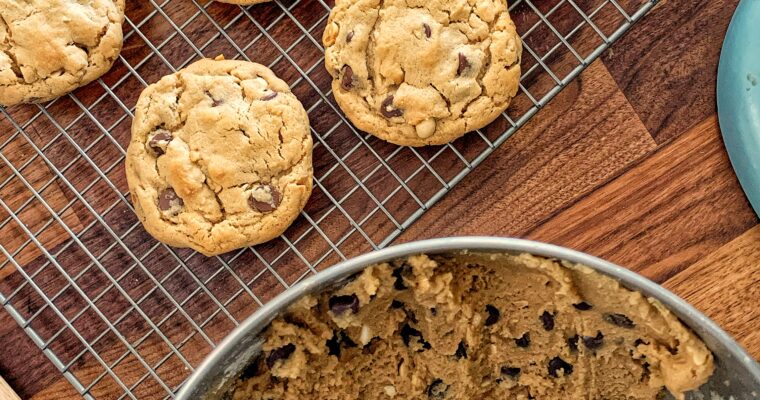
pixel 476 326
pixel 416 72
pixel 50 47
pixel 220 157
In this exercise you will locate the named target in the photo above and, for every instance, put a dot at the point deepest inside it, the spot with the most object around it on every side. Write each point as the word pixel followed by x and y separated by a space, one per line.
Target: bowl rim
pixel 701 324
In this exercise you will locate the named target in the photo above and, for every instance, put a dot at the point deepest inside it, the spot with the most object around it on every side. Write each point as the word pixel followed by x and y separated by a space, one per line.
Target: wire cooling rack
pixel 122 316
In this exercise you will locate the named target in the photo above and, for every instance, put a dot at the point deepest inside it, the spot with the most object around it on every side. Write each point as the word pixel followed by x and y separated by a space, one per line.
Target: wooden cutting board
pixel 6 393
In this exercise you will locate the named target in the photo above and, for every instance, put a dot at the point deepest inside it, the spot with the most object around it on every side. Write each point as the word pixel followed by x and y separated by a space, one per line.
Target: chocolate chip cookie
pixel 476 326
pixel 422 72
pixel 220 157
pixel 50 47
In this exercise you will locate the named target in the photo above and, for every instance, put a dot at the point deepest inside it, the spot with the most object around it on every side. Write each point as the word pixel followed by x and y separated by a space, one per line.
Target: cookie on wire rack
pixel 422 72
pixel 220 157
pixel 48 48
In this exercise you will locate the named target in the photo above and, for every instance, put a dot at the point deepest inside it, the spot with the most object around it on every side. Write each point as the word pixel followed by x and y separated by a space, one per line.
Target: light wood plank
pixel 725 286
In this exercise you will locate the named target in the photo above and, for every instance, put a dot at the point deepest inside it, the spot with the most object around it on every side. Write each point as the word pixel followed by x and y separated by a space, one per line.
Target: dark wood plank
pixel 667 64
pixel 664 214
pixel 725 285
pixel 587 135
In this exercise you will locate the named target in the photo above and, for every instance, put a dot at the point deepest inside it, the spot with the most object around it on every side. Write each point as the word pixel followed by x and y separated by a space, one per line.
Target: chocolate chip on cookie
pixel 524 340
pixel 269 96
pixel 347 81
pixel 264 198
pixel 281 353
pixel 349 37
pixel 493 315
pixel 427 29
pixel 618 320
pixel 556 364
pixel 464 64
pixel 214 102
pixel 159 141
pixel 547 320
pixel 594 342
pixel 168 201
pixel 339 305
pixel 387 109
pixel 582 306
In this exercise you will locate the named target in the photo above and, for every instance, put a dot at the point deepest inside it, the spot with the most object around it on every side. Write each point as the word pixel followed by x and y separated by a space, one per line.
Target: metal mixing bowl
pixel 737 374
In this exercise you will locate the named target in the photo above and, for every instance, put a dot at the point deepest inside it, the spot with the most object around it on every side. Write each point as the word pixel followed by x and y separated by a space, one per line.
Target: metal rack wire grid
pixel 123 316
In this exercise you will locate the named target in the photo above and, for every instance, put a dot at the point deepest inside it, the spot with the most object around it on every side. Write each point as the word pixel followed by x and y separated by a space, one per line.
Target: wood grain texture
pixel 725 285
pixel 587 135
pixel 667 65
pixel 662 215
pixel 6 392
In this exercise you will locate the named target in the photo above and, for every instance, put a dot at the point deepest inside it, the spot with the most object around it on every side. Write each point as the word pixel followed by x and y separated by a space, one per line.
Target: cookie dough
pixel 50 47
pixel 477 326
pixel 418 72
pixel 220 157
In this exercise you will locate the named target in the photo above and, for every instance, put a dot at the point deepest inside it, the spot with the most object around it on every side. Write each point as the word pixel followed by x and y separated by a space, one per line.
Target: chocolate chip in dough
pixel 618 320
pixel 511 372
pixel 433 311
pixel 349 37
pixel 524 340
pixel 281 353
pixel 159 141
pixel 427 29
pixel 407 333
pixel 437 390
pixel 339 305
pixel 261 202
pixel 493 315
pixel 387 109
pixel 461 351
pixel 253 369
pixel 556 364
pixel 582 306
pixel 347 81
pixel 399 274
pixel 464 64
pixel 547 320
pixel 395 304
pixel 168 200
pixel 594 342
pixel 269 96
pixel 572 342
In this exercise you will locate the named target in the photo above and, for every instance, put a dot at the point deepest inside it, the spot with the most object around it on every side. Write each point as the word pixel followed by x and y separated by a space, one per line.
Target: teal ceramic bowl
pixel 739 97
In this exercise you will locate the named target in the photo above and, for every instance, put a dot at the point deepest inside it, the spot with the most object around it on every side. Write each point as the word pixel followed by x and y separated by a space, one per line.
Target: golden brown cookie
pixel 50 47
pixel 220 157
pixel 422 72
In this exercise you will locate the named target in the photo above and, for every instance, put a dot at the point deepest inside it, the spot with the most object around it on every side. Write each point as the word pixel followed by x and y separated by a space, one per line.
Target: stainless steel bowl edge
pixel 740 378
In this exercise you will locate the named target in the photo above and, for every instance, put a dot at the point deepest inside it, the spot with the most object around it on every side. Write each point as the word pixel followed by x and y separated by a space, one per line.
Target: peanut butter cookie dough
pixel 477 326
pixel 416 72
pixel 50 47
pixel 220 157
